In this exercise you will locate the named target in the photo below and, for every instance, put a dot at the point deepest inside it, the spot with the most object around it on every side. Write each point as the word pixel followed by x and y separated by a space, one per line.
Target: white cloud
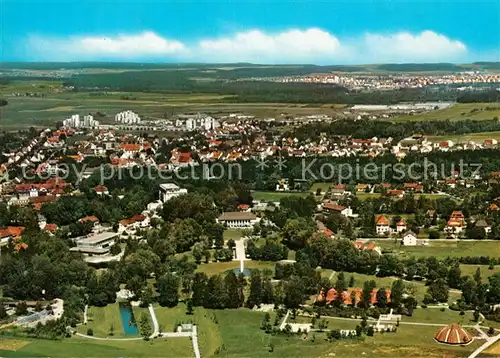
pixel 404 46
pixel 290 46
pixel 121 46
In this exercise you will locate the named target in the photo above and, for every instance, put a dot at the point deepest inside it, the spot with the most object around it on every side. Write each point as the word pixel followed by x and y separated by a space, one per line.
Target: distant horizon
pixel 475 62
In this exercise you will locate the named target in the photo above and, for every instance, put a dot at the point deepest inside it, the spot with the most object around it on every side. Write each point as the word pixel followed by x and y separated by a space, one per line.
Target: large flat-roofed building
pixel 97 244
pixel 169 191
pixel 238 219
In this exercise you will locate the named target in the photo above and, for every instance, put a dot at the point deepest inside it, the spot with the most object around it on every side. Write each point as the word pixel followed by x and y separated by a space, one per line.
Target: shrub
pixel 90 332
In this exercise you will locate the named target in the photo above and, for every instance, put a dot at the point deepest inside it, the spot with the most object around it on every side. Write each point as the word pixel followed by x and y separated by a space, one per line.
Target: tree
pixel 200 281
pixel 369 331
pixel 469 291
pixel 352 281
pixel 454 276
pixel 197 252
pixel 340 285
pixel 477 276
pixel 381 298
pixel 207 255
pixel 145 326
pixel 397 291
pixel 438 291
pixel 189 307
pixel 3 312
pixel 294 292
pixel 21 309
pixel 322 325
pixel 255 297
pixel 231 244
pixel 366 294
pixel 234 291
pixel 168 290
pixel 147 296
pixel 216 293
pixel 334 334
pixel 433 234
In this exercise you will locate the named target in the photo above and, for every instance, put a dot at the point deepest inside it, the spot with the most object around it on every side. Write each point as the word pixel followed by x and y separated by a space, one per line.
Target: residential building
pixel 382 225
pixel 169 191
pixel 401 226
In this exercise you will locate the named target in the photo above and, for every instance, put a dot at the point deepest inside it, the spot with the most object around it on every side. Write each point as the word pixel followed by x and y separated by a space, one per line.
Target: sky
pixel 257 31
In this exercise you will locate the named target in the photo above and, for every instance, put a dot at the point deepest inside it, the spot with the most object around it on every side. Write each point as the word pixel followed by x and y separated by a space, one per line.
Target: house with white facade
pixel 382 225
pixel 169 191
pixel 238 219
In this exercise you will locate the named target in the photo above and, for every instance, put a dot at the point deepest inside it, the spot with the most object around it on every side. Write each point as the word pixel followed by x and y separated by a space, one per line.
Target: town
pixel 309 228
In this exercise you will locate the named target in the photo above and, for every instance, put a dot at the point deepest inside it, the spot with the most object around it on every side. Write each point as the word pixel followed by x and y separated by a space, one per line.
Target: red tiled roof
pixel 395 192
pixel 333 207
pixel 50 227
pixel 457 214
pixel 346 296
pixel 11 231
pixel 100 189
pixel 132 220
pixel 130 147
pixel 382 221
pixel 402 222
pixel 91 218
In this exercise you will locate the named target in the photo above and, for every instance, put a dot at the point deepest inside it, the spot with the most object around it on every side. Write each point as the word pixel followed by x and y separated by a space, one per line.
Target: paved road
pixel 240 249
pixel 156 327
pixel 488 343
pixel 85 312
pixel 194 339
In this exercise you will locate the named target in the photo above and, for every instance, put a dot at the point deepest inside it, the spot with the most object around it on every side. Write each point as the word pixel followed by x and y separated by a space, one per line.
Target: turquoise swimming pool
pixel 128 319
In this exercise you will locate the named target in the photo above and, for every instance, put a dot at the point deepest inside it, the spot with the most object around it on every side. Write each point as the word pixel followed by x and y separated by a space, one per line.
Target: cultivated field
pixel 476 137
pixel 56 105
pixel 459 111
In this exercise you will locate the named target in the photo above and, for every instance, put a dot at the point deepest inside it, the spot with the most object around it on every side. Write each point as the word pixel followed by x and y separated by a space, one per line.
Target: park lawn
pixel 239 327
pixel 443 249
pixel 138 312
pixel 101 319
pixel 275 196
pixel 435 315
pixel 234 234
pixel 365 196
pixel 459 111
pixel 470 270
pixel 208 334
pixel 215 268
pixel 81 347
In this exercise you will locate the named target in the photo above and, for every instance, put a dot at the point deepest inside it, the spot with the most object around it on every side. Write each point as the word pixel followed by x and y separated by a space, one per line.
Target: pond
pixel 246 272
pixel 128 319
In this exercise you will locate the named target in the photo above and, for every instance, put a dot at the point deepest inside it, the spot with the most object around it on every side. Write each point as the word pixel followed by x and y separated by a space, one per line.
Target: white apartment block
pixel 75 121
pixel 127 117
